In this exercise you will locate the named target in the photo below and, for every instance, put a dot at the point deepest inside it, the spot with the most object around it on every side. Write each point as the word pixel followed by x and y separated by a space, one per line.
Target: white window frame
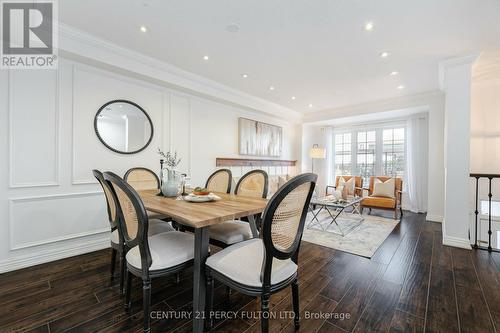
pixel 378 128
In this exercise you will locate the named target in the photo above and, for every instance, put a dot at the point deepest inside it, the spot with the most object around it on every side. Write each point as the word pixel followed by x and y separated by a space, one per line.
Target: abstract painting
pixel 259 139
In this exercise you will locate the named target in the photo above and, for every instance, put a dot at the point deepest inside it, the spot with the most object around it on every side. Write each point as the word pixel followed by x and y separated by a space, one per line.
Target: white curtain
pixel 416 163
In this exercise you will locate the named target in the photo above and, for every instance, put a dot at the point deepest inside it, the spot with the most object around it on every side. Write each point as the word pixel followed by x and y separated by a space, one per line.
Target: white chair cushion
pixel 155 227
pixel 115 239
pixel 153 215
pixel 242 263
pixel 231 232
pixel 167 249
pixel 159 226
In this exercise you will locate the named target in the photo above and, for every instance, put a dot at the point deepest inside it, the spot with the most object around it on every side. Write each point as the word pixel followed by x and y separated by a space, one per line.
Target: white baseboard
pixel 457 242
pixel 43 256
pixel 434 218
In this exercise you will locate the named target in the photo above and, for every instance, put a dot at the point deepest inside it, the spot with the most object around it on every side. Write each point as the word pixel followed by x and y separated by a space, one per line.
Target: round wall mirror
pixel 123 126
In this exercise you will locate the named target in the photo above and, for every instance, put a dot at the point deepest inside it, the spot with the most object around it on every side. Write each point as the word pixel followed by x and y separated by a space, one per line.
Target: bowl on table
pixel 199 191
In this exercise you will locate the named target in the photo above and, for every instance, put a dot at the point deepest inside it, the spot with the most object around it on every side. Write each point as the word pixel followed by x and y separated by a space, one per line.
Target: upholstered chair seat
pixel 168 249
pixel 153 215
pixel 242 263
pixel 253 184
pixel 114 237
pixel 155 227
pixel 379 202
pixel 231 232
pixel 159 226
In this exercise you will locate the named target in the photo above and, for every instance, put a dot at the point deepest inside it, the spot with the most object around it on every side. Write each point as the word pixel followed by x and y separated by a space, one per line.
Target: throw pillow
pixel 384 189
pixel 349 184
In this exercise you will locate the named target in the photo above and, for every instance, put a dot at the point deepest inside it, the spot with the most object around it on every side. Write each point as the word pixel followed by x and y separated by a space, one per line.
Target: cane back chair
pixel 116 238
pixel 252 184
pixel 145 179
pixel 220 181
pixel 148 256
pixel 266 265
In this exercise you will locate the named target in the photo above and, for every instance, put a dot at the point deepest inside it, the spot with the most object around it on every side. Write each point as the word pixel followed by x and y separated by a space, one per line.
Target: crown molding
pixel 77 43
pixel 402 102
pixel 446 64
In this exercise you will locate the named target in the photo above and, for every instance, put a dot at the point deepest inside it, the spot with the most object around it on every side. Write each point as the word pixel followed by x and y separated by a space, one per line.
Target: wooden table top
pixel 202 214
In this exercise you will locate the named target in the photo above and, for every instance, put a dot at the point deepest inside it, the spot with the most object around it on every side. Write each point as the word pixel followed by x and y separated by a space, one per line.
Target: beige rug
pixel 362 239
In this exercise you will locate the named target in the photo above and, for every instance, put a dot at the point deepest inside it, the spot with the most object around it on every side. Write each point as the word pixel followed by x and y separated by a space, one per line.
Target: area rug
pixel 362 239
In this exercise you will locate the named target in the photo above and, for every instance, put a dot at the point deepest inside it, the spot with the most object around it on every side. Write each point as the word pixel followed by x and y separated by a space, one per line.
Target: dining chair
pixel 156 226
pixel 263 266
pixel 148 256
pixel 115 237
pixel 252 184
pixel 145 179
pixel 220 181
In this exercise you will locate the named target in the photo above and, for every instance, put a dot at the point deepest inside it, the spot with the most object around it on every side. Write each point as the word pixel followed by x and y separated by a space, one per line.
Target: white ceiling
pixel 315 50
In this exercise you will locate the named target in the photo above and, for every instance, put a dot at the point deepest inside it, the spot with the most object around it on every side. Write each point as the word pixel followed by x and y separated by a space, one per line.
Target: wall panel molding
pixel 41 256
pixel 12 201
pixel 12 156
pixel 82 68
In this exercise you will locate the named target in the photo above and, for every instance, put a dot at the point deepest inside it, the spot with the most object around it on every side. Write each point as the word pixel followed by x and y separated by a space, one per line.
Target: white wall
pixel 485 129
pixel 50 204
pixel 432 102
pixel 456 83
pixel 485 146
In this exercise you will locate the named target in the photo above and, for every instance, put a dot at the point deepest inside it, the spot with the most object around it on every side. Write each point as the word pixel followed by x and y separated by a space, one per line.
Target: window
pixel 343 154
pixel 365 161
pixel 393 155
pixel 370 151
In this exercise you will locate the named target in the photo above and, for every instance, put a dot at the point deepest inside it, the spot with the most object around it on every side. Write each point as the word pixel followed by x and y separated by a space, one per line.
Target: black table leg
pixel 253 226
pixel 199 287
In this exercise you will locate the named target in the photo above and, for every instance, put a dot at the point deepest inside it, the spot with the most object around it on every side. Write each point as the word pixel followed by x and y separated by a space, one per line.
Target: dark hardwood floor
pixel 412 284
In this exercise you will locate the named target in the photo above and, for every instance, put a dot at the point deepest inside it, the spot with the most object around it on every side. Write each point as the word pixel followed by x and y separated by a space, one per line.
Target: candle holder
pixel 160 194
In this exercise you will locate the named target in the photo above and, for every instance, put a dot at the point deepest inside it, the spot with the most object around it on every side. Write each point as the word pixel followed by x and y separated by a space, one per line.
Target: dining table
pixel 199 216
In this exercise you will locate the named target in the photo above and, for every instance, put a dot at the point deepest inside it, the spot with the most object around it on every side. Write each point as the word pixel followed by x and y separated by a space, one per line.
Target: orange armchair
pixel 358 185
pixel 384 202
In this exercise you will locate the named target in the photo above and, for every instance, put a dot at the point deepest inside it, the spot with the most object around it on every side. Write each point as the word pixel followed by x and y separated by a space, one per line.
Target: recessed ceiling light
pixel 401 87
pixel 244 76
pixel 369 26
pixel 384 54
pixel 394 73
pixel 271 88
pixel 143 28
pixel 310 105
pixel 293 97
pixel 205 57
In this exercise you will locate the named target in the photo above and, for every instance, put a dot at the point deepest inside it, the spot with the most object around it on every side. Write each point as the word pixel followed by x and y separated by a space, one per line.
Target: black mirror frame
pixel 113 149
